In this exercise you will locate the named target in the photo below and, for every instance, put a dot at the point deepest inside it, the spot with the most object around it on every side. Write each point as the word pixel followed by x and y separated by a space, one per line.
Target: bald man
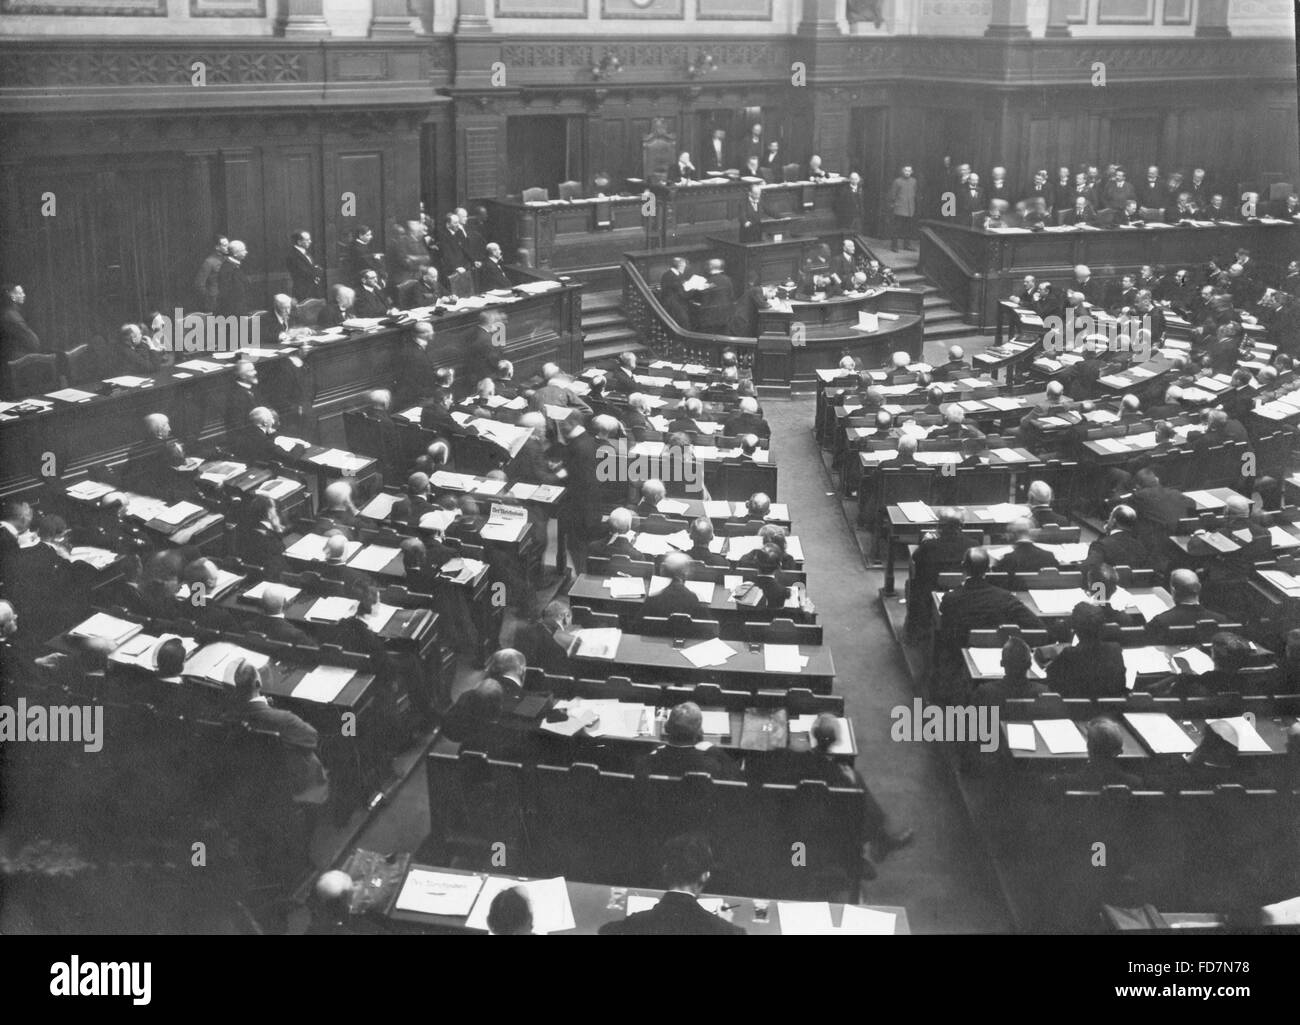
pixel 957 366
pixel 1185 588
pixel 273 622
pixel 676 597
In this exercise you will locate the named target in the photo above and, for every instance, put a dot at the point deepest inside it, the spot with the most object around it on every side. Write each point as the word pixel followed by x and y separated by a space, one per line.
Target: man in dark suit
pixel 622 378
pixel 975 605
pixel 306 774
pixel 1118 192
pixel 1025 556
pixel 970 199
pixel 255 442
pixel 436 416
pixel 579 516
pixel 1062 190
pixel 1041 189
pixel 850 204
pixel 545 642
pixel 685 750
pixel 716 301
pixel 15 520
pixel 700 532
pixel 1121 545
pixel 272 623
pixel 1092 289
pixel 371 300
pixel 752 212
pixel 234 297
pixel 769 164
pixel 242 396
pixel 426 290
pixel 16 338
pixel 1091 668
pixel 683 170
pixel 415 503
pixel 715 152
pixel 279 320
pixel 492 274
pixel 1151 190
pixel 672 294
pixel 942 551
pixel 620 537
pixel 417 376
pixel 999 188
pixel 1079 212
pixel 676 597
pixel 306 276
pixel 687 863
pixel 746 420
pixel 1185 588
pixel 1158 508
pixel 1040 506
pixel 339 307
pixel 957 366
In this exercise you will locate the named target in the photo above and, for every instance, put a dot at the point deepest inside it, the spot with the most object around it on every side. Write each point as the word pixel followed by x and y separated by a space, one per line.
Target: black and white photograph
pixel 651 467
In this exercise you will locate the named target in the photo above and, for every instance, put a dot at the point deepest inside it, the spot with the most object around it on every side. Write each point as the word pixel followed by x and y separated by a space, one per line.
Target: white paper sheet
pixel 549 899
pixel 1061 736
pixel 1020 736
pixel 1160 732
pixel 323 684
pixel 439 893
pixel 860 921
pixel 805 918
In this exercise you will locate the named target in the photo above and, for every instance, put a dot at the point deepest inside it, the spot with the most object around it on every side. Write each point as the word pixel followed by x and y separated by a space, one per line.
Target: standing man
pixel 717 152
pixel 752 213
pixel 407 256
pixel 580 514
pixel 232 282
pixel 754 144
pixel 672 293
pixel 205 284
pixel 902 207
pixel 16 338
pixel 850 204
pixel 306 277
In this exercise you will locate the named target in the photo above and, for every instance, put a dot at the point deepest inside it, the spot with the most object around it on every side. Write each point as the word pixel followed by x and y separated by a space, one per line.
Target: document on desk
pixel 716 723
pixel 332 609
pixel 488 488
pixel 1205 500
pixel 703 589
pixel 1160 733
pixel 860 921
pixel 439 519
pixel 109 628
pixel 99 558
pixel 652 544
pixel 90 490
pixel 1061 736
pixel 597 642
pixel 1002 402
pixel 177 514
pixel 1058 601
pixel 1020 736
pixel 439 893
pixel 1148 605
pixel 217 662
pixel 917 512
pixel 987 661
pixel 1248 738
pixel 1217 541
pixel 805 918
pixel 549 898
pixel 373 558
pixel 1146 660
pixel 448 481
pixel 507 523
pixel 1281 580
pixel 716 510
pixel 713 652
pixel 625 587
pixel 381 506
pixel 378 616
pixel 672 507
pixel 1192 661
pixel 783 658
pixel 278 487
pixel 323 684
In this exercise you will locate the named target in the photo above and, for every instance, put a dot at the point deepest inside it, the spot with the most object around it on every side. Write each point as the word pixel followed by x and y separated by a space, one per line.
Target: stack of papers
pixel 625 587
pixel 219 473
pixel 1193 660
pixel 70 395
pixel 129 382
pixel 200 366
pixel 287 444
pixel 1282 581
pixel 713 652
pixel 439 893
pixel 379 616
pixel 439 519
pixel 448 481
pixel 917 512
pixel 373 558
pixel 1059 602
pixel 600 642
pixel 323 684
pixel 177 514
pixel 255 592
pixel 344 462
pixel 109 628
pixel 278 488
pixel 507 523
pixel 652 544
pixel 1205 501
pixel 1160 733
pixel 332 609
pixel 381 506
pixel 783 658
pixel 1061 736
pixel 217 662
pixel 89 490
pixel 99 558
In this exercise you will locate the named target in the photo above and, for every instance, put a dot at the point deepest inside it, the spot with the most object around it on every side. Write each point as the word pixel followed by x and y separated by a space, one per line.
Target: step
pixel 602 319
pixel 610 336
pixel 606 354
pixel 600 301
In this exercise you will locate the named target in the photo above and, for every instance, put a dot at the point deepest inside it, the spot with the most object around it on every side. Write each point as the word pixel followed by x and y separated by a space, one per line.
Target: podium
pixel 770 262
pixel 774 363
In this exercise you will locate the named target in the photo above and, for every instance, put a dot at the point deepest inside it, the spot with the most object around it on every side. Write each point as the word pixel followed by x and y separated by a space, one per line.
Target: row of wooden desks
pixel 567 908
pixel 908 522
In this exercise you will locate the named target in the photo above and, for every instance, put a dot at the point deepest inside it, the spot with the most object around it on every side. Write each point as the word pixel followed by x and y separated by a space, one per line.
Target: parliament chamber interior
pixel 649 467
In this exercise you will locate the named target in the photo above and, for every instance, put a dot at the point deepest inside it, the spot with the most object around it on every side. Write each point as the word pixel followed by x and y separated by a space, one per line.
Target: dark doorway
pixel 538 150
pixel 868 143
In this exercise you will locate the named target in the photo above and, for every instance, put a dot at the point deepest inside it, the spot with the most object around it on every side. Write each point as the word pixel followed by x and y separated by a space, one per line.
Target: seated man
pixel 939 551
pixel 746 420
pixel 955 426
pixel 307 778
pixel 1120 546
pixel 1091 668
pixel 701 535
pixel 687 863
pixel 256 443
pixel 1025 556
pixel 1017 658
pixel 685 749
pixel 905 457
pixel 620 537
pixel 545 642
pixel 676 597
pixel 415 503
pixel 1185 589
pixel 957 366
pixel 652 493
pixel 273 622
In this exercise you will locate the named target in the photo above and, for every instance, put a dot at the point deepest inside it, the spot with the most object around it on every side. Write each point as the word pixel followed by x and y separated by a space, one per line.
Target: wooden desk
pixel 104 430
pixel 644 657
pixel 562 234
pixel 590 590
pixel 686 213
pixel 978 268
pixel 903 531
pixel 595 904
pixel 1271 730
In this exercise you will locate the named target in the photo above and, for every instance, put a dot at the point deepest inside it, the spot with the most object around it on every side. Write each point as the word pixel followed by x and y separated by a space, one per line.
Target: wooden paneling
pixel 481 166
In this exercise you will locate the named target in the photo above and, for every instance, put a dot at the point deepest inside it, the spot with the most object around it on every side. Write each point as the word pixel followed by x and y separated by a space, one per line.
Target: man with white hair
pixel 956 367
pixel 1025 556
pixel 688 418
pixel 746 420
pixel 273 622
pixel 620 537
pixel 234 297
pixel 622 378
pixel 417 375
pixel 256 441
pixel 280 319
pixel 337 511
pixel 379 404
pixel 557 393
pixel 1092 289
pixel 652 493
pixel 1130 409
pixel 339 307
pixel 423 291
pixel 954 425
pixel 1040 506
pixel 492 274
pixel 151 466
pixel 897 369
pixel 242 396
pixel 815 171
